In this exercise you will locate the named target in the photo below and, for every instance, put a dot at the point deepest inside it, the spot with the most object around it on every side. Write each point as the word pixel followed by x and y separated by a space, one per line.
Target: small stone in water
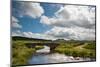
pixel 77 58
pixel 72 58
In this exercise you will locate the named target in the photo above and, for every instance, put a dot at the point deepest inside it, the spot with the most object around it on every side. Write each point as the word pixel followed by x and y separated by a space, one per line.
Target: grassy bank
pixel 21 53
pixel 77 50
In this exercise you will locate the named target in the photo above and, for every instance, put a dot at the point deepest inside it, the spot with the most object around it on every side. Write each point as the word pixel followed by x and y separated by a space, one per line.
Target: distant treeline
pixel 25 38
pixel 58 40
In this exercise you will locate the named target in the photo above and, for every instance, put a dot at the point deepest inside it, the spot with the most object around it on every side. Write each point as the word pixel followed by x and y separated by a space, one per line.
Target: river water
pixel 43 56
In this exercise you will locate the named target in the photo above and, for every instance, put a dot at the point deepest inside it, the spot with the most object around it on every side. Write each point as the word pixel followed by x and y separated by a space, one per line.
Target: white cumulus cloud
pixel 38 35
pixel 72 22
pixel 32 35
pixel 72 16
pixel 77 33
pixel 14 23
pixel 31 9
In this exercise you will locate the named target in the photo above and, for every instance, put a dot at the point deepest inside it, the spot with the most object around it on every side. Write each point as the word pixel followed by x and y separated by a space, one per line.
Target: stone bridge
pixel 51 45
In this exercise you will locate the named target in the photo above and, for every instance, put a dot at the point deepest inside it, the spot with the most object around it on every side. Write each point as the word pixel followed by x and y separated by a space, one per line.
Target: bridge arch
pixel 51 45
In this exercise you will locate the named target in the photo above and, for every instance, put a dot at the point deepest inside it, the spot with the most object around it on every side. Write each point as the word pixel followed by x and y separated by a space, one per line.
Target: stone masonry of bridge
pixel 51 45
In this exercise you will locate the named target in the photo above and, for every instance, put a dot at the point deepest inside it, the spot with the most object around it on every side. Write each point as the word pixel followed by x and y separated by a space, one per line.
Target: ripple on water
pixel 54 58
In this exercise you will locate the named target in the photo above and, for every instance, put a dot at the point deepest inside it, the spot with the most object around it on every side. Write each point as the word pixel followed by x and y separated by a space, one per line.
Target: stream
pixel 43 56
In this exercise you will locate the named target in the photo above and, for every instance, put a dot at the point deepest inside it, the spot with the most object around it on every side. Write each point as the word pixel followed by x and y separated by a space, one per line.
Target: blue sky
pixel 30 24
pixel 53 21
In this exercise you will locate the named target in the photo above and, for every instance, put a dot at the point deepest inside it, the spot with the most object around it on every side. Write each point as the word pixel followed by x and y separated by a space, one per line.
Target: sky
pixel 53 21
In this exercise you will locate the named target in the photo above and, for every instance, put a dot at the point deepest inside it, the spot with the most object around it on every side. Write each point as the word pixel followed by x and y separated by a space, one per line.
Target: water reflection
pixel 53 58
pixel 43 56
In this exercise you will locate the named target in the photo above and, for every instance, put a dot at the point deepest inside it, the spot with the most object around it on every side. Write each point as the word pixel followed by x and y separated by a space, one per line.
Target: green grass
pixel 38 47
pixel 91 46
pixel 81 50
pixel 21 53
